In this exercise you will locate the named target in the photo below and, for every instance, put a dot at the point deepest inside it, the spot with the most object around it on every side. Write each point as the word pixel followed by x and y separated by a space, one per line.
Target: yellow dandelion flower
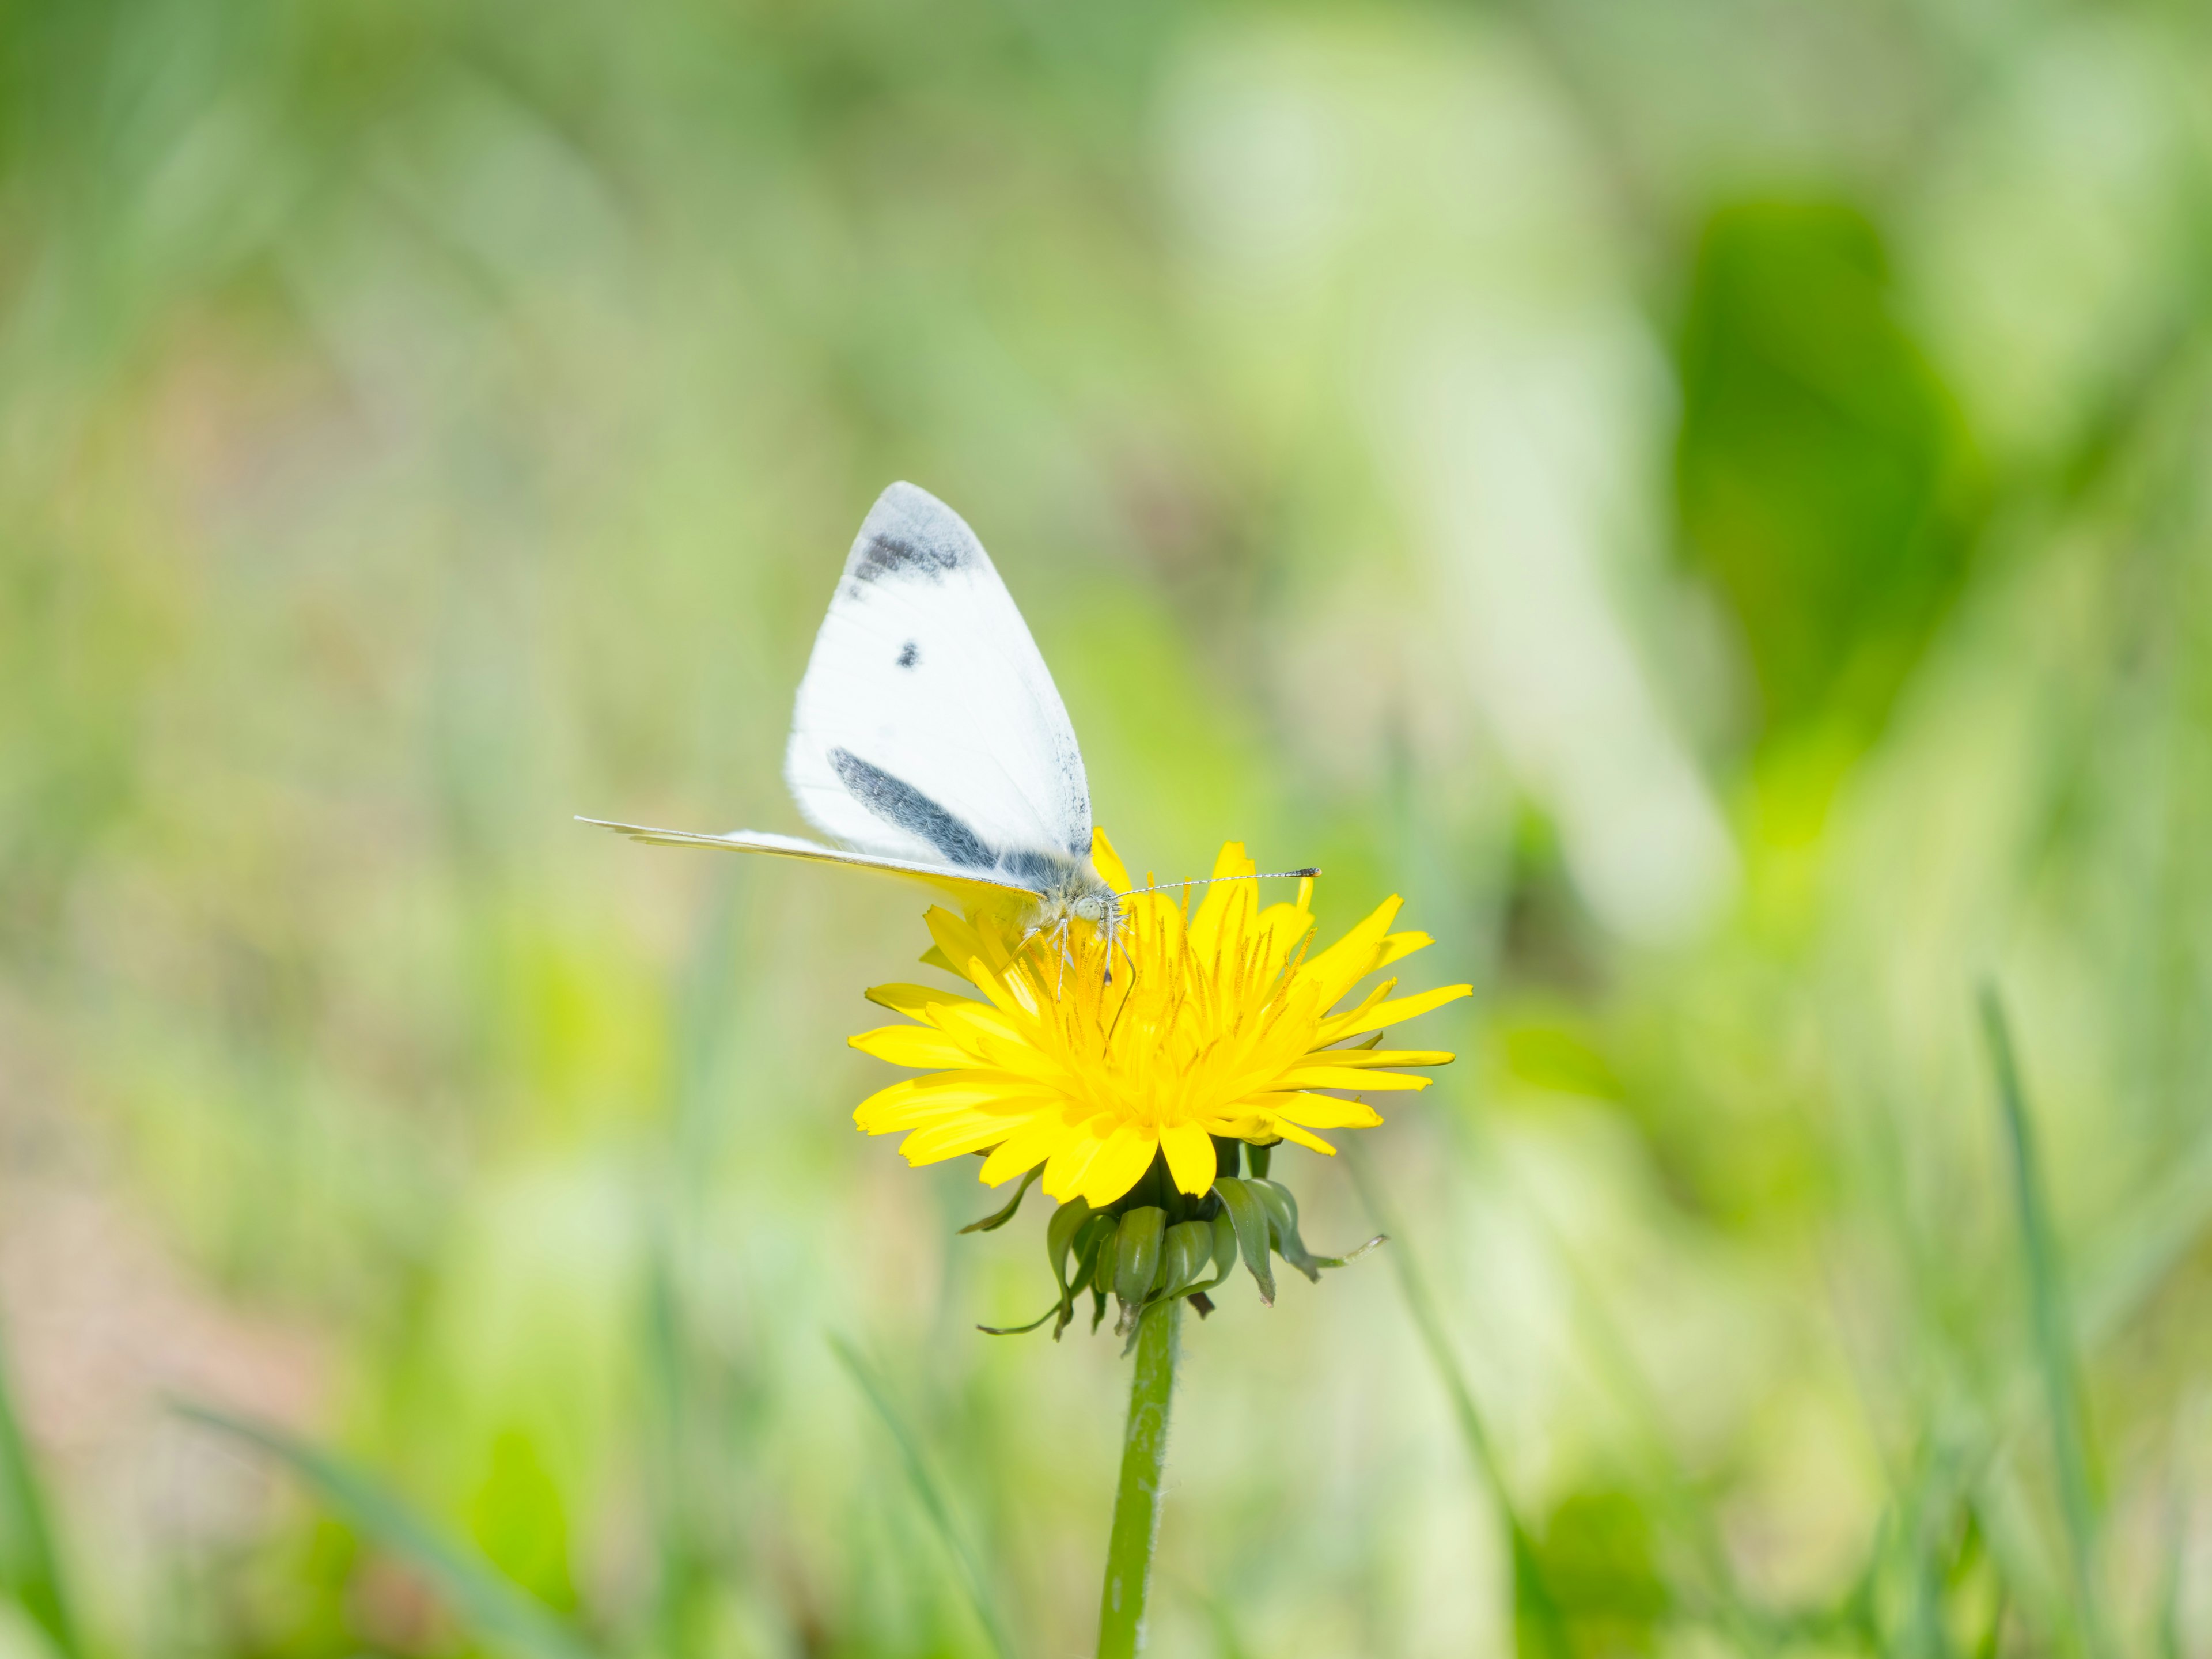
pixel 1220 1021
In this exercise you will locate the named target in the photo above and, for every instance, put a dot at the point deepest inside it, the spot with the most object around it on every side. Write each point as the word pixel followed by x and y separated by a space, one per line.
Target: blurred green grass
pixel 1707 500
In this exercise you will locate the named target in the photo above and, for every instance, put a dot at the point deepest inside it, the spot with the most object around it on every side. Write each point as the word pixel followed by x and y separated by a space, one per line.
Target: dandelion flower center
pixel 1091 1055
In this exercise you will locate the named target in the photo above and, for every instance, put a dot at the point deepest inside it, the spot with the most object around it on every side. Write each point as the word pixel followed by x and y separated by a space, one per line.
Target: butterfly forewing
pixel 928 727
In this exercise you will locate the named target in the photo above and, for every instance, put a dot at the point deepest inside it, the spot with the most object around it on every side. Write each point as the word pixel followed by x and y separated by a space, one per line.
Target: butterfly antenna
pixel 1306 874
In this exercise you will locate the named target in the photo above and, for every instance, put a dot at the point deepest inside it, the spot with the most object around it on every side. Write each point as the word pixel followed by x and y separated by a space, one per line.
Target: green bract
pixel 1157 1244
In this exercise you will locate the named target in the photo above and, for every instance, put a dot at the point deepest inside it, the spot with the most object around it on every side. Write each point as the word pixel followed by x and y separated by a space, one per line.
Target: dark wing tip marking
pixel 910 534
pixel 898 803
pixel 909 655
pixel 896 556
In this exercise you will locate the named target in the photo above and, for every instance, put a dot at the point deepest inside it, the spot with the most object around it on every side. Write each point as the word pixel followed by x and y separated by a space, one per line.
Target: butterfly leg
pixel 1022 943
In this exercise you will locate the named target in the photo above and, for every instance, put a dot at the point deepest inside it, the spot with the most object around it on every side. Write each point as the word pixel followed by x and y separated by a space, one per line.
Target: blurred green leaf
pixel 490 1607
pixel 520 1522
pixel 1595 1548
pixel 1823 476
pixel 980 1594
pixel 30 1571
pixel 2053 1325
pixel 1539 1624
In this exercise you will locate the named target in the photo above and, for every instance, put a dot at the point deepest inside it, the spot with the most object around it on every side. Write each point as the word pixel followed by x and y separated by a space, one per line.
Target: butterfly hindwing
pixel 974 889
pixel 929 729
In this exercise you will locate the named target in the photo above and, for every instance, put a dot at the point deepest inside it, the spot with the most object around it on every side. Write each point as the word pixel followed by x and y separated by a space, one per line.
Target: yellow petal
pixel 935 1146
pixel 962 943
pixel 1322 1111
pixel 866 1113
pixel 1107 863
pixel 1373 1014
pixel 1399 944
pixel 1290 1131
pixel 1285 924
pixel 1228 904
pixel 913 1116
pixel 966 1021
pixel 1368 1059
pixel 1353 958
pixel 1190 1158
pixel 1029 1145
pixel 998 1105
pixel 1373 999
pixel 911 1045
pixel 911 999
pixel 1169 930
pixel 1007 996
pixel 889 1109
pixel 915 1101
pixel 1127 1154
pixel 1070 1162
pixel 1345 1077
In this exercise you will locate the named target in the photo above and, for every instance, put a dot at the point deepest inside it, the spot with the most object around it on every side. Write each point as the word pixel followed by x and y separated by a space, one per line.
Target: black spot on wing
pixel 899 803
pixel 909 655
pixel 904 557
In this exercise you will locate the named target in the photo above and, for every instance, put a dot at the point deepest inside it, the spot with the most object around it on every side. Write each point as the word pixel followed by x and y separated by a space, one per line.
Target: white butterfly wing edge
pixel 973 889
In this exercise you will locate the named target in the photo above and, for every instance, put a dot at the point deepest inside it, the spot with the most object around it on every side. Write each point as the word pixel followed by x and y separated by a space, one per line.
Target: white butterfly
pixel 928 738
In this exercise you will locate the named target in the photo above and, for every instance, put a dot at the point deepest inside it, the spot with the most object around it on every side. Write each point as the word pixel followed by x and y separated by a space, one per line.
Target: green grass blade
pixel 2047 1307
pixel 1539 1622
pixel 685 1572
pixel 690 1445
pixel 30 1570
pixel 495 1611
pixel 930 1494
pixel 1674 1492
pixel 2167 1642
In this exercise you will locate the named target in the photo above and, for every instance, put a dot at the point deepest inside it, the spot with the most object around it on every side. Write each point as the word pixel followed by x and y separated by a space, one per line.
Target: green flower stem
pixel 1137 1499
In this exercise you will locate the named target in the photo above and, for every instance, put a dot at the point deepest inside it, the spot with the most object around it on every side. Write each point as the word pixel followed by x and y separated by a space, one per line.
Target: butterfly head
pixel 1079 894
pixel 1075 892
pixel 1097 904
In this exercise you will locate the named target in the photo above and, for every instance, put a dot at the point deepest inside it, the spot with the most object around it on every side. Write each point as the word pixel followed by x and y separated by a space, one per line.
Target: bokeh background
pixel 1708 498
